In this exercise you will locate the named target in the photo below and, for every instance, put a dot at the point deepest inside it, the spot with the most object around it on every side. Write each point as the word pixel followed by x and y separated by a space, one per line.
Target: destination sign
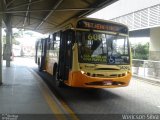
pixel 105 26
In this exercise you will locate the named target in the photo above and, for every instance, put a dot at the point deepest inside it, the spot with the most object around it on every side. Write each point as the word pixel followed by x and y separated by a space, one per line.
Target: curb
pixel 66 111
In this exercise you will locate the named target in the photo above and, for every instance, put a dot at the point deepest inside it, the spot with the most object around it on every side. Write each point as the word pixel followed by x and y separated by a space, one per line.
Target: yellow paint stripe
pixel 71 113
pixel 67 108
pixel 50 101
pixel 52 104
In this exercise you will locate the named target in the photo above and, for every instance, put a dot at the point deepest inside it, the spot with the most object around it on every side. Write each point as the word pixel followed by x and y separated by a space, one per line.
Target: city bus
pixel 89 53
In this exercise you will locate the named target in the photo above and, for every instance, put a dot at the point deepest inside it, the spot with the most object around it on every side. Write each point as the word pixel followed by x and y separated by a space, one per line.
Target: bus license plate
pixel 107 82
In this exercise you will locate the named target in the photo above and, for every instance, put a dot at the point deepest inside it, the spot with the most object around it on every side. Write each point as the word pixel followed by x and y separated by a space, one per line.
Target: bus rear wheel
pixel 39 65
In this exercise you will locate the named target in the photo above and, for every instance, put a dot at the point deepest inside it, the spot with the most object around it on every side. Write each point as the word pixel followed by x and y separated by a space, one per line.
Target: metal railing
pixel 146 68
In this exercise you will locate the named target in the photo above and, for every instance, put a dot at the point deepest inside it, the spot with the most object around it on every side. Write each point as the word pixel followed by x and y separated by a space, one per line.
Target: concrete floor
pixel 24 93
pixel 140 97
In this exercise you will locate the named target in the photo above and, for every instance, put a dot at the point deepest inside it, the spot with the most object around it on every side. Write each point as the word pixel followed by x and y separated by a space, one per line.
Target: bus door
pixel 43 53
pixel 65 54
pixel 36 49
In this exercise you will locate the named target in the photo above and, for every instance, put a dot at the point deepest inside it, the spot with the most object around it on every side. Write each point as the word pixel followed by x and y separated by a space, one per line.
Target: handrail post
pixel 144 67
pixel 1 49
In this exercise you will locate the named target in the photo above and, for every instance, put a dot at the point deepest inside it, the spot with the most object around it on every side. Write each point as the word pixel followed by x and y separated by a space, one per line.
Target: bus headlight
pixel 82 72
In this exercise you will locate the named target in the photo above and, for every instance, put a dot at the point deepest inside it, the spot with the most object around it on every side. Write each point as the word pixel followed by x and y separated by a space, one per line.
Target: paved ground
pixel 25 96
pixel 138 98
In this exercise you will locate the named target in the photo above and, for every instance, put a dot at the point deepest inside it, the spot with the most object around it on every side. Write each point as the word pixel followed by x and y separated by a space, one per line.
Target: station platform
pixel 24 95
pixel 150 80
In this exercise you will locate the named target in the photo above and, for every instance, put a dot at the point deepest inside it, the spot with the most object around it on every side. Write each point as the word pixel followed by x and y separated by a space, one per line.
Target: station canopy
pixel 45 16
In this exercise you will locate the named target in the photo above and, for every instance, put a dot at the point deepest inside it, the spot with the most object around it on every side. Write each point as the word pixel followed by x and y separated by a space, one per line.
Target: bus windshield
pixel 102 48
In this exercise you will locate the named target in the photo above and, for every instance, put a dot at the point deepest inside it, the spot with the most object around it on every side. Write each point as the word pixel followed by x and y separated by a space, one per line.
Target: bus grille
pixel 106 76
pixel 102 83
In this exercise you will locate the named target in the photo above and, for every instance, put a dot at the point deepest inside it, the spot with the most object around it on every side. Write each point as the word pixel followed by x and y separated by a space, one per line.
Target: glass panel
pixel 102 48
pixel 92 47
pixel 118 50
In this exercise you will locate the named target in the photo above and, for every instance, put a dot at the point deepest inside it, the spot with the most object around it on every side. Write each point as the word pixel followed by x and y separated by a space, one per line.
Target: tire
pixel 58 81
pixel 55 69
pixel 39 68
pixel 39 65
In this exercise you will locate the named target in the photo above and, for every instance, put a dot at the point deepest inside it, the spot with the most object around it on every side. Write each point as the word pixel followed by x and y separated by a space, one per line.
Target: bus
pixel 89 53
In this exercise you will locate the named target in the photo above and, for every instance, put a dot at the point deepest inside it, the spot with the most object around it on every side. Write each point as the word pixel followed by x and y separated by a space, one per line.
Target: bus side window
pixel 56 41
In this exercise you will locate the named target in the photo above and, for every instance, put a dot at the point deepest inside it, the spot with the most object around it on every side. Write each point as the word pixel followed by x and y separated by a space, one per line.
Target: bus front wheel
pixel 59 82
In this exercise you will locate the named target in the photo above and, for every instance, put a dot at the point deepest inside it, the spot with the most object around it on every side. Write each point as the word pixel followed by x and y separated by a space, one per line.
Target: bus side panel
pixel 51 59
pixel 52 54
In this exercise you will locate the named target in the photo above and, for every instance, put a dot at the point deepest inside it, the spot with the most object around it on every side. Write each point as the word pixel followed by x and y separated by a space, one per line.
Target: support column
pixel 1 50
pixel 8 47
pixel 154 49
pixel 8 41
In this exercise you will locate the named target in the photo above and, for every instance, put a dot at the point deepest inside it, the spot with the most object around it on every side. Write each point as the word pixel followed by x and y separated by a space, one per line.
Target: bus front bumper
pixel 78 79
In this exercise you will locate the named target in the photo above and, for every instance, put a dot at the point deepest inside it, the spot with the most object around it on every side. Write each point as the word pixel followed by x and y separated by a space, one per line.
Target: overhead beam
pixel 3 8
pixel 9 3
pixel 35 19
pixel 46 17
pixel 46 10
pixel 19 22
pixel 86 2
pixel 5 4
pixel 25 4
pixel 33 29
pixel 26 15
